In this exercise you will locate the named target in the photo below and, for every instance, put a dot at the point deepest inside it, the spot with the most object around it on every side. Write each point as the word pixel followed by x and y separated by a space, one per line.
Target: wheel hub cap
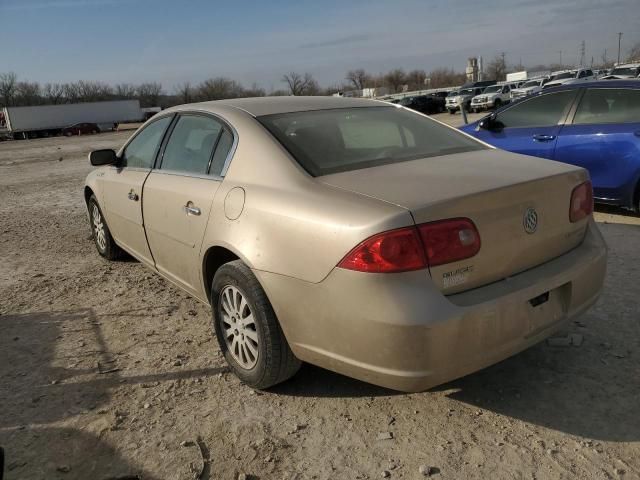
pixel 238 327
pixel 98 228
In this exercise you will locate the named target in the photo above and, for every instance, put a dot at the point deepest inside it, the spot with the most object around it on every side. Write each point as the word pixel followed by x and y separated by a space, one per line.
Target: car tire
pixel 255 349
pixel 497 104
pixel 100 233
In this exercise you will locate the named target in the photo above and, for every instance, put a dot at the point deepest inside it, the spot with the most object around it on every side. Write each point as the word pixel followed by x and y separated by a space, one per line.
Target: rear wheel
pixel 100 232
pixel 247 329
pixel 497 104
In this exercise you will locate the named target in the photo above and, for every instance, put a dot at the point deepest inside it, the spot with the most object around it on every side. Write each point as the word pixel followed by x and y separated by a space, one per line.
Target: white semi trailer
pixel 46 120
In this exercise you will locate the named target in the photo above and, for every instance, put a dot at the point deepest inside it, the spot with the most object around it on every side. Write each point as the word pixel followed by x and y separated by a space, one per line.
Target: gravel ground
pixel 109 372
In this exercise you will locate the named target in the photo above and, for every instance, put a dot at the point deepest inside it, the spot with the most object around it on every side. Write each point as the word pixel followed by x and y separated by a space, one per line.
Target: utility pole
pixel 560 52
pixel 619 40
pixel 582 53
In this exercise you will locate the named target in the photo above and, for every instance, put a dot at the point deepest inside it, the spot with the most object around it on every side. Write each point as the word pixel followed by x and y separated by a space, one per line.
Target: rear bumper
pixel 400 332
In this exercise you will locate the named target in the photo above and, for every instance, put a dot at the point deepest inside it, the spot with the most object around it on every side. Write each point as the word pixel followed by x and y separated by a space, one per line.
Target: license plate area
pixel 549 307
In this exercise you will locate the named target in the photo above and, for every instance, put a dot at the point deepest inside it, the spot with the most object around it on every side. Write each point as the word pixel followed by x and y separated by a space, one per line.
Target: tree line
pixel 17 92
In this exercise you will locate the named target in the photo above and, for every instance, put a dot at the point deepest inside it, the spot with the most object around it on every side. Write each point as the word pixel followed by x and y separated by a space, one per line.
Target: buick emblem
pixel 530 220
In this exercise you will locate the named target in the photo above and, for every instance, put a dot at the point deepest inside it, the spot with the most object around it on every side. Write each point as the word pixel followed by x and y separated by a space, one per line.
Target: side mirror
pixel 490 123
pixel 103 157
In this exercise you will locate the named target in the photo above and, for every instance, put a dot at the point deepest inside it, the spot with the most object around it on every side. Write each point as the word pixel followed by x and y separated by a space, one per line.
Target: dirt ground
pixel 109 372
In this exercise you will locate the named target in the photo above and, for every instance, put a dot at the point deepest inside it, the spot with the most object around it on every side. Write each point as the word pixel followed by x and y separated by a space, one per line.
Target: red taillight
pixel 411 248
pixel 581 202
pixel 448 241
pixel 394 251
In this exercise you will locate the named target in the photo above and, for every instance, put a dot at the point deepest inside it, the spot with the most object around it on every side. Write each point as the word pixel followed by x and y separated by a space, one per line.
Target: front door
pixel 530 127
pixel 122 189
pixel 179 193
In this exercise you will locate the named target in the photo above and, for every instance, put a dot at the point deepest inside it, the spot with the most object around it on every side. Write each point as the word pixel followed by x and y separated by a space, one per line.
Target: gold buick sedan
pixel 352 234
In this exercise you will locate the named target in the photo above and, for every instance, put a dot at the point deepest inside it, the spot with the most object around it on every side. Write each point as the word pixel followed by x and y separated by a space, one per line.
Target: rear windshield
pixel 625 71
pixel 341 140
pixel 562 76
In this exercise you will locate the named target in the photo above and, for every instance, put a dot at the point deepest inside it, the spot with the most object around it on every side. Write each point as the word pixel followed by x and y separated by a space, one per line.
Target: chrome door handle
pixel 544 138
pixel 189 209
pixel 133 196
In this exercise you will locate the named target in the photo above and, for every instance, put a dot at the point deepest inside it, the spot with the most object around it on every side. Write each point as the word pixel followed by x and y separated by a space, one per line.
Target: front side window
pixel 340 140
pixel 609 105
pixel 191 144
pixel 141 151
pixel 544 110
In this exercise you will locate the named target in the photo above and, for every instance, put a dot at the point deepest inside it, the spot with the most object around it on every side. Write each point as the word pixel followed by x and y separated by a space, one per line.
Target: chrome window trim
pixel 179 173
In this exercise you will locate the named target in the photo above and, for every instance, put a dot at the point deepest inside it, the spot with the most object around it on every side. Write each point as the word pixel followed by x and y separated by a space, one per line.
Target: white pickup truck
pixel 566 77
pixel 493 96
pixel 528 88
pixel 624 71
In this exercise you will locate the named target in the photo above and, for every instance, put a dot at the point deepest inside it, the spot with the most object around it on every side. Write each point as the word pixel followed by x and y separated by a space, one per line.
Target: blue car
pixel 595 125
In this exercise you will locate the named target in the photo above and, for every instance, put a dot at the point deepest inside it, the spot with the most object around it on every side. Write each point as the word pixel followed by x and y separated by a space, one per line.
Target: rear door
pixel 604 138
pixel 179 193
pixel 531 127
pixel 122 188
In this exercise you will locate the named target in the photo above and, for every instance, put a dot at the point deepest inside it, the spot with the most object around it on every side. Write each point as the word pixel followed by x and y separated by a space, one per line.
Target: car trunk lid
pixel 496 190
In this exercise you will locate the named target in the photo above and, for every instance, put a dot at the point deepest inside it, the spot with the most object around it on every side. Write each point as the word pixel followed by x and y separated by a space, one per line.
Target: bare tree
pixel 634 53
pixel 254 91
pixel 53 93
pixel 446 77
pixel 416 79
pixel 301 84
pixel 8 83
pixel 358 78
pixel 219 88
pixel 497 69
pixel 185 92
pixel 28 93
pixel 395 79
pixel 125 90
pixel 149 94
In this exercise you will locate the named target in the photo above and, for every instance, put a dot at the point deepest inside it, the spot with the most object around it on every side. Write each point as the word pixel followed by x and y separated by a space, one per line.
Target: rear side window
pixel 222 152
pixel 191 144
pixel 141 151
pixel 544 110
pixel 608 105
pixel 340 140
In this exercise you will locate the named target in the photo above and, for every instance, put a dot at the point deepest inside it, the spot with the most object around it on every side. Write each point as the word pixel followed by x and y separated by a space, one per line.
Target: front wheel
pixel 105 244
pixel 247 329
pixel 497 104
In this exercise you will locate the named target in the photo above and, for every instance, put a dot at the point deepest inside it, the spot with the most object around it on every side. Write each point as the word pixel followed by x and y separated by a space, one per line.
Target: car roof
pixel 613 83
pixel 259 106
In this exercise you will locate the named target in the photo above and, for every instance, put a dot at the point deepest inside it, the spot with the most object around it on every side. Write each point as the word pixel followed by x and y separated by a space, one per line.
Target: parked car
pixel 567 77
pixel 423 103
pixel 592 125
pixel 80 129
pixel 351 234
pixel 528 88
pixel 493 96
pixel 462 98
pixel 625 71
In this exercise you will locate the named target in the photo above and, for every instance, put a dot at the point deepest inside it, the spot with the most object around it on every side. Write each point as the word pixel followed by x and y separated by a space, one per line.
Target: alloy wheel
pixel 98 227
pixel 239 327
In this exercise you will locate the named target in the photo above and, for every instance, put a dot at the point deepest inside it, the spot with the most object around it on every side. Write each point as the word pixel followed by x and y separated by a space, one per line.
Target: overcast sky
pixel 190 40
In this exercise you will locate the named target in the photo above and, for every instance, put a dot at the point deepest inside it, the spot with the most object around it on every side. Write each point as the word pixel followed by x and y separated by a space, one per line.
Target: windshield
pixel 562 76
pixel 493 89
pixel 466 91
pixel 405 101
pixel 533 83
pixel 345 139
pixel 625 71
pixel 452 93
